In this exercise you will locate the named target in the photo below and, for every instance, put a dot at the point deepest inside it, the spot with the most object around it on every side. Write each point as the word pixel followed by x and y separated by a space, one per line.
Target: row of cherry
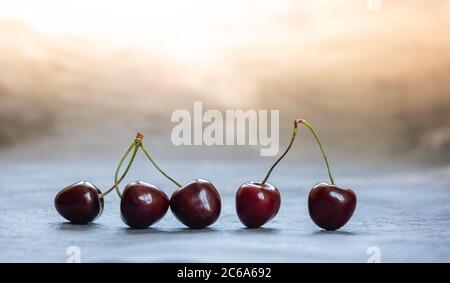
pixel 197 204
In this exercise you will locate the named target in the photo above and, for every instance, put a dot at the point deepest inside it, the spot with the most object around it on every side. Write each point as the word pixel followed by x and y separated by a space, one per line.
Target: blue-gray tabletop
pixel 403 215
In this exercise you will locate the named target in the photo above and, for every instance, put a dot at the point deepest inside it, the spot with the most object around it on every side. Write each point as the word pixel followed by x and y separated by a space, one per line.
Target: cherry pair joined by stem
pixel 330 207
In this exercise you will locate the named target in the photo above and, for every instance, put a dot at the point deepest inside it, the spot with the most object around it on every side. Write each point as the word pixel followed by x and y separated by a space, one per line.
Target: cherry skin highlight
pixel 196 204
pixel 79 203
pixel 257 204
pixel 331 207
pixel 142 204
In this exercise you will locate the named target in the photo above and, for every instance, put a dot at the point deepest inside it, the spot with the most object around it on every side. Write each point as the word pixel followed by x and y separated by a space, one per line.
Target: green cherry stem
pixel 123 175
pixel 311 128
pixel 134 145
pixel 144 149
pixel 294 133
pixel 116 175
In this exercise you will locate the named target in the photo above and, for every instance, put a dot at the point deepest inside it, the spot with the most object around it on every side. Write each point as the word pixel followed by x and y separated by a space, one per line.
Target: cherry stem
pixel 116 175
pixel 311 128
pixel 294 133
pixel 144 149
pixel 134 145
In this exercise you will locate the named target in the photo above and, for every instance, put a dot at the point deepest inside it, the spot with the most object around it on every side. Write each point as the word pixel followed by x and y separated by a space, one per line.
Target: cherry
pixel 330 207
pixel 80 203
pixel 142 204
pixel 196 204
pixel 257 204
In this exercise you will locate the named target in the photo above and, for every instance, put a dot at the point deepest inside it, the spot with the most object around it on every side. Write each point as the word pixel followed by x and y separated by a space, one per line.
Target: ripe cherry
pixel 330 207
pixel 196 204
pixel 257 204
pixel 142 204
pixel 80 203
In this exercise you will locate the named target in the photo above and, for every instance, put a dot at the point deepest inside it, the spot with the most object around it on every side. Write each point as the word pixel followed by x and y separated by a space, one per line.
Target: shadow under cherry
pixel 68 226
pixel 158 231
pixel 337 232
pixel 256 231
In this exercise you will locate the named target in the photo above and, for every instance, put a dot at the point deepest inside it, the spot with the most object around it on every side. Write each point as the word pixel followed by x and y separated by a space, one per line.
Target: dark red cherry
pixel 257 204
pixel 79 203
pixel 330 207
pixel 196 204
pixel 142 204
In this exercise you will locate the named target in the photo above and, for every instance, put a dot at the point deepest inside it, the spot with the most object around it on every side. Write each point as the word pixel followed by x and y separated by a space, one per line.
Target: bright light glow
pixel 180 28
pixel 228 49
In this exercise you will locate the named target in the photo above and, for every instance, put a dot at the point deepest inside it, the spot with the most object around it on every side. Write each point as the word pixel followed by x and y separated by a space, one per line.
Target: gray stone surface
pixel 405 211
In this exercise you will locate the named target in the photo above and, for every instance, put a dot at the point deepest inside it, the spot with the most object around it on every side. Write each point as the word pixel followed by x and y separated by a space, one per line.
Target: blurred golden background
pixel 78 77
